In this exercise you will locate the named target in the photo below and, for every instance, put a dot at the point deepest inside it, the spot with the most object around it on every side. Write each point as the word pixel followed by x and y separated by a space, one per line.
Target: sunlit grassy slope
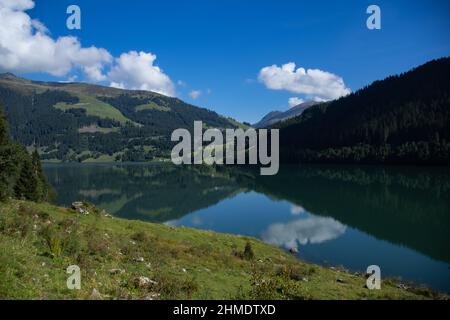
pixel 96 108
pixel 122 259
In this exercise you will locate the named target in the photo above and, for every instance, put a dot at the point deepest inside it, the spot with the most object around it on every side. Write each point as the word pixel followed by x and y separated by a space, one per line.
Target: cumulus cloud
pixel 313 230
pixel 17 4
pixel 136 70
pixel 26 46
pixel 314 83
pixel 297 210
pixel 295 101
pixel 195 94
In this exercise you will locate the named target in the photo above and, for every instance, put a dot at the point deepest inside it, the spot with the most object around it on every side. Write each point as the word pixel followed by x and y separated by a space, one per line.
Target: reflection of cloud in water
pixel 171 223
pixel 297 210
pixel 312 230
pixel 197 221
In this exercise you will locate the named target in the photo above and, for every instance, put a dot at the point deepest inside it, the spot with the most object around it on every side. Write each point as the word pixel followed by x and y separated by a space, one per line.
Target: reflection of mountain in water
pixel 147 192
pixel 407 206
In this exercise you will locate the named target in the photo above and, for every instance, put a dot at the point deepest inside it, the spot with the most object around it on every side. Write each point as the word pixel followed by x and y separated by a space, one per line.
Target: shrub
pixel 248 252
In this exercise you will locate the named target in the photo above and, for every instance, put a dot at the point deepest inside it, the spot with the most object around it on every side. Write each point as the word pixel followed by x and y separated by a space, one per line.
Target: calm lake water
pixel 394 217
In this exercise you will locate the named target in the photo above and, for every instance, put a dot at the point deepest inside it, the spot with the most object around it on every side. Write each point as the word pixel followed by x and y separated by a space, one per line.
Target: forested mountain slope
pixel 78 122
pixel 402 119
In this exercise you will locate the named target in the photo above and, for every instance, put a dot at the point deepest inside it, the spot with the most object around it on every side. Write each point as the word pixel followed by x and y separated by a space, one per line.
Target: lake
pixel 352 216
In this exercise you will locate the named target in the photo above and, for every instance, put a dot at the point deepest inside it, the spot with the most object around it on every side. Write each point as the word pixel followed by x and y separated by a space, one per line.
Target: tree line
pixel 402 119
pixel 21 174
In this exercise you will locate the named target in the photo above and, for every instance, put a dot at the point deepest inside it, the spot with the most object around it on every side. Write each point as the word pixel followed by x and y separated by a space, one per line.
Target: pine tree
pixel 27 184
pixel 21 175
pixel 5 164
pixel 3 128
pixel 44 190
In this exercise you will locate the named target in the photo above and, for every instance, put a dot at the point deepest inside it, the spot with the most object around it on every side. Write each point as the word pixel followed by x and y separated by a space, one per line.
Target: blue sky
pixel 219 47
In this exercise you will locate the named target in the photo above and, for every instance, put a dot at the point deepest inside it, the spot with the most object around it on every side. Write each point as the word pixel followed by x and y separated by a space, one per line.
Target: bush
pixel 248 252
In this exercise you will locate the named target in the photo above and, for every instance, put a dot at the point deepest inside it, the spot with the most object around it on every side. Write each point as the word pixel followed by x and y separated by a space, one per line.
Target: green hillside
pixel 84 122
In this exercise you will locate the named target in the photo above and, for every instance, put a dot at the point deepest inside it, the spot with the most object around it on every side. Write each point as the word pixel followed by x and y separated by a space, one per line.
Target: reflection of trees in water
pixel 409 206
pixel 148 192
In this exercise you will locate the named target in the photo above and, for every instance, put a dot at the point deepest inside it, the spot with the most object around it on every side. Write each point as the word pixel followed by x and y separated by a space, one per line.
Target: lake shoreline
pixel 117 256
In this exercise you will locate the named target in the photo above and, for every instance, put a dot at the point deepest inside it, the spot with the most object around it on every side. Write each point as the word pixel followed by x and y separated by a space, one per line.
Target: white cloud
pixel 297 210
pixel 195 94
pixel 295 101
pixel 25 47
pixel 136 71
pixel 313 230
pixel 17 4
pixel 314 83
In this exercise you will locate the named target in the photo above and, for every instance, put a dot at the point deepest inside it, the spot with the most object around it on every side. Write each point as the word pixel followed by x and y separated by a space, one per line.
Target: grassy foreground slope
pixel 122 259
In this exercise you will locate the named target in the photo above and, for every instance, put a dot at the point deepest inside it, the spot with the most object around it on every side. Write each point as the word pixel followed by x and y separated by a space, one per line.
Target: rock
pixel 305 280
pixel 184 270
pixel 402 286
pixel 116 271
pixel 145 282
pixel 139 259
pixel 339 280
pixel 153 296
pixel 80 207
pixel 77 204
pixel 95 294
pixel 293 250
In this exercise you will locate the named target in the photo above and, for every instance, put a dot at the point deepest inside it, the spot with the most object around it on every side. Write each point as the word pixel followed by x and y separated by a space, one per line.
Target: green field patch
pixel 151 106
pixel 96 129
pixel 95 108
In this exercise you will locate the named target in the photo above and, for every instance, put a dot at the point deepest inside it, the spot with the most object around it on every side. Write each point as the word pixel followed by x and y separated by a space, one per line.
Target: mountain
pixel 85 122
pixel 402 119
pixel 279 116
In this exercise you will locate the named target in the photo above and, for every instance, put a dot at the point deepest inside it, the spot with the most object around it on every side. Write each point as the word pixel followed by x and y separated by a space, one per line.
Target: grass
pixel 237 124
pixel 151 106
pixel 100 159
pixel 94 129
pixel 117 257
pixel 96 108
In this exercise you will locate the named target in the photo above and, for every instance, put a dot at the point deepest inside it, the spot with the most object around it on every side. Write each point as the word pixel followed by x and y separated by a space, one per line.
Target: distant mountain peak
pixel 278 116
pixel 8 75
